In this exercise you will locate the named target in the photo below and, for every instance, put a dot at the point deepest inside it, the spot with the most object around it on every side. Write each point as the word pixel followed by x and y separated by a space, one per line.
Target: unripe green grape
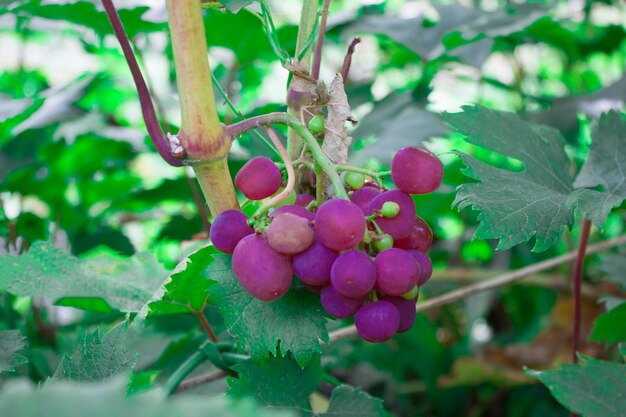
pixel 412 295
pixel 383 242
pixel 354 180
pixel 390 209
pixel 316 124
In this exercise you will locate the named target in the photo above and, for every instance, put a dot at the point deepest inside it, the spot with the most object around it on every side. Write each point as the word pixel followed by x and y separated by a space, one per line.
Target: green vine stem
pixel 319 156
pixel 308 17
pixel 195 360
pixel 577 282
pixel 201 134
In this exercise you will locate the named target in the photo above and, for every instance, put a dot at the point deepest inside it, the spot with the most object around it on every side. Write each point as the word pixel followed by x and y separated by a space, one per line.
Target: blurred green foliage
pixel 83 188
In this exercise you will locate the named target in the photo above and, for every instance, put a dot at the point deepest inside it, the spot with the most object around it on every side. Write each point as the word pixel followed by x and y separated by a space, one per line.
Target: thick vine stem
pixel 292 122
pixel 201 133
pixel 308 18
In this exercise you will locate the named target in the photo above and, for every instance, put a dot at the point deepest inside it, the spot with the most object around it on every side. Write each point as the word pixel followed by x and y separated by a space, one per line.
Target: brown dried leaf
pixel 336 139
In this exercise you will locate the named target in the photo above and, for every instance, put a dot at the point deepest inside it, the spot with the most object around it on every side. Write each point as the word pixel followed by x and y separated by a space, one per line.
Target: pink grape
pixel 426 265
pixel 313 265
pixel 339 224
pixel 400 226
pixel 304 200
pixel 294 209
pixel 363 196
pixel 420 238
pixel 228 228
pixel 338 305
pixel 290 234
pixel 416 171
pixel 259 178
pixel 406 308
pixel 263 272
pixel 353 274
pixel 397 272
pixel 378 321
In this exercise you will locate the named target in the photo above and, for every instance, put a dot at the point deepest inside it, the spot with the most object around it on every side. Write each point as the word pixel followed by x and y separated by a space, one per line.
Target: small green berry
pixel 366 237
pixel 383 242
pixel 354 180
pixel 412 295
pixel 390 209
pixel 316 125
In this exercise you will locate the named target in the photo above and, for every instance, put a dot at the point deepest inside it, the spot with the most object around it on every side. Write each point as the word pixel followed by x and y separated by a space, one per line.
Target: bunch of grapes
pixel 365 256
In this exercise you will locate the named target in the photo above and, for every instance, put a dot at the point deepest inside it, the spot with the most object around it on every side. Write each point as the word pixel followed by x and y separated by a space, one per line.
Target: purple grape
pixel 313 265
pixel 420 238
pixel 426 265
pixel 364 196
pixel 397 272
pixel 304 200
pixel 416 171
pixel 265 273
pixel 339 224
pixel 290 234
pixel 378 321
pixel 259 178
pixel 400 226
pixel 406 308
pixel 228 228
pixel 353 274
pixel 294 209
pixel 337 305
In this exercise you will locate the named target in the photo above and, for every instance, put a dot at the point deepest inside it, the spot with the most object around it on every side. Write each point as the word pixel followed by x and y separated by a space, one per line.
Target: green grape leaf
pixel 614 265
pixel 11 342
pixel 396 122
pixel 348 401
pixel 296 319
pixel 260 381
pixel 97 358
pixel 610 327
pixel 593 389
pixel 18 112
pixel 142 381
pixel 466 23
pixel 187 287
pixel 99 283
pixel 108 398
pixel 605 167
pixel 515 206
pixel 86 14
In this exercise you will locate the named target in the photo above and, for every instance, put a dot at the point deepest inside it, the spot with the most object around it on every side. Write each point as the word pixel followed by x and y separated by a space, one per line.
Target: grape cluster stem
pixel 319 156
